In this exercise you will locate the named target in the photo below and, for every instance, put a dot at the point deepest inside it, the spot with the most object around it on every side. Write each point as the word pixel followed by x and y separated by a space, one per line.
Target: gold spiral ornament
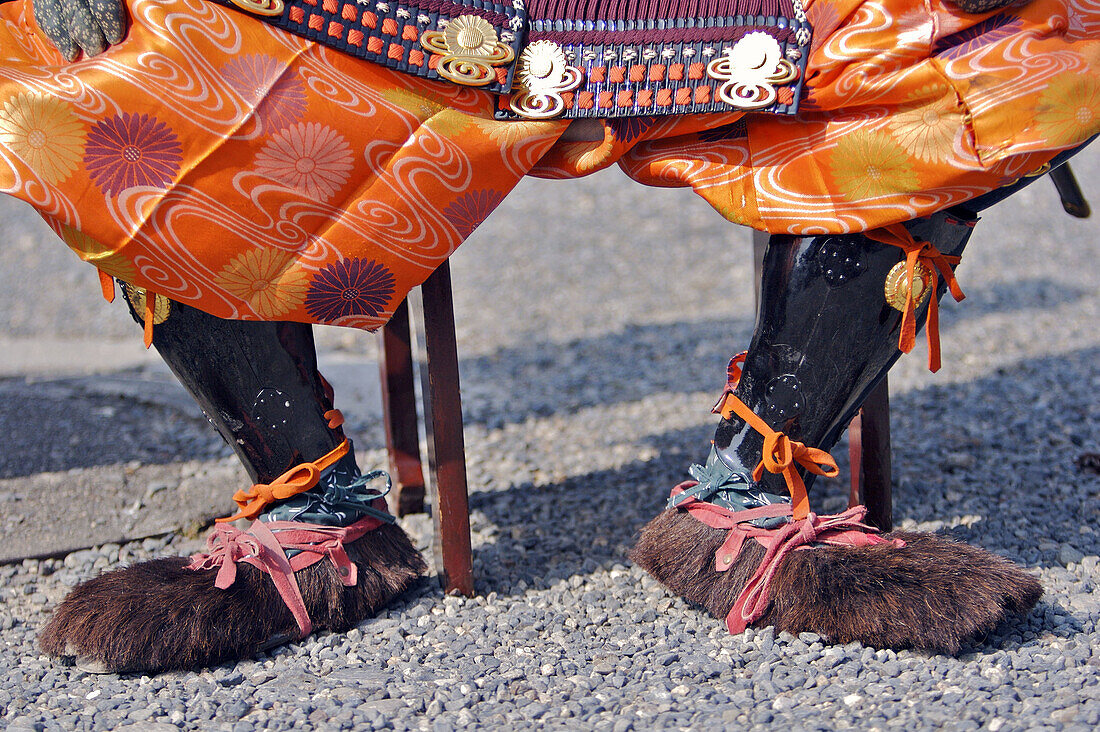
pixel 469 48
pixel 751 71
pixel 542 76
pixel 270 8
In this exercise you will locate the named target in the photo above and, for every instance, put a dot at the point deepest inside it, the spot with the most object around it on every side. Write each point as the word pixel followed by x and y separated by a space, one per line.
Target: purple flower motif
pixel 130 150
pixel 467 213
pixel 971 39
pixel 350 287
pixel 276 92
pixel 732 131
pixel 627 129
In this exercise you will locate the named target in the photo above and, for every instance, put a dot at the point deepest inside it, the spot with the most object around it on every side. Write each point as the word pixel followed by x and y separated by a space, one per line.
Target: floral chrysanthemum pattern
pixel 628 129
pixel 99 254
pixel 928 132
pixel 467 212
pixel 277 93
pixel 267 280
pixel 254 175
pixel 44 132
pixel 506 133
pixel 989 31
pixel 732 131
pixel 129 150
pixel 309 157
pixel 865 165
pixel 350 287
pixel 1067 109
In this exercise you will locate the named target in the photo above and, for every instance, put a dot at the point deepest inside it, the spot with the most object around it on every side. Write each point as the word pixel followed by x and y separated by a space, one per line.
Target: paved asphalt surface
pixel 594 318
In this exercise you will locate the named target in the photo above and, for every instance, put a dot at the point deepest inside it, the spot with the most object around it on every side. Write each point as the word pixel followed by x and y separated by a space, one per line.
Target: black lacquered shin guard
pixel 825 336
pixel 257 383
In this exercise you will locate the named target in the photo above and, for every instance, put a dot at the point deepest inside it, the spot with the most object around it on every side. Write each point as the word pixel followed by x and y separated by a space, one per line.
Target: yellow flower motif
pixel 507 134
pixel 44 132
pixel 439 117
pixel 865 165
pixel 263 278
pixel 423 107
pixel 1068 110
pixel 449 122
pixel 928 132
pixel 99 254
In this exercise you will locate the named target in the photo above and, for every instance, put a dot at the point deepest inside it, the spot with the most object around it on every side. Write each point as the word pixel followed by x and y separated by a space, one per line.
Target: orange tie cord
pixel 938 264
pixel 733 378
pixel 335 418
pixel 298 479
pixel 150 315
pixel 107 285
pixel 780 455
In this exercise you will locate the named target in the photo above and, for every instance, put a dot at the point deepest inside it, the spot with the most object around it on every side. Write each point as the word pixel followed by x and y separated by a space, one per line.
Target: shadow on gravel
pixel 999 450
pixel 62 424
pixel 1038 293
pixel 625 366
pixel 671 358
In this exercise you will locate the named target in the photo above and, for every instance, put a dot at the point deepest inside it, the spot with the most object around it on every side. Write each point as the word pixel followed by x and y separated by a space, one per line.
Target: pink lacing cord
pixel 842 529
pixel 264 545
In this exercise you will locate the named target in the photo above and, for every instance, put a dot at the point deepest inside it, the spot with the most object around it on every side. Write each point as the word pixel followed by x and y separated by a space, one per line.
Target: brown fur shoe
pixel 933 593
pixel 159 615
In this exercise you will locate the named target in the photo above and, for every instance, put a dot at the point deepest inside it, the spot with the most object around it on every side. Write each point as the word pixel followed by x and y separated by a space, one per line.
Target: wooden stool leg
pixel 446 449
pixel 869 453
pixel 399 414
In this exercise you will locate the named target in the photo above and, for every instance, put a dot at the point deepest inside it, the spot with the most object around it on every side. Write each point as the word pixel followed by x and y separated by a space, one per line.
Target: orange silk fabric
pixel 222 163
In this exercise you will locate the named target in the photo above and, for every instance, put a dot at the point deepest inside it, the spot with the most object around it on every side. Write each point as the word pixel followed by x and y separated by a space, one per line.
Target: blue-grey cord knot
pixel 355 496
pixel 341 498
pixel 721 485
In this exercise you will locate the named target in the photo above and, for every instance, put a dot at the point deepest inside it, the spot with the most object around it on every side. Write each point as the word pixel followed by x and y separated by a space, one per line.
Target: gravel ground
pixel 590 359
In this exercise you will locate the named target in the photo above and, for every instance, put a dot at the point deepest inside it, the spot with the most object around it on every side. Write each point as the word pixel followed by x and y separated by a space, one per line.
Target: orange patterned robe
pixel 255 175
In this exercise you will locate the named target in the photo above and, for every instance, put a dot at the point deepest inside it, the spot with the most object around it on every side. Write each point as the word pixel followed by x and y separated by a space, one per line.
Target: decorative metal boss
pixel 898 284
pixel 470 49
pixel 542 77
pixel 751 70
